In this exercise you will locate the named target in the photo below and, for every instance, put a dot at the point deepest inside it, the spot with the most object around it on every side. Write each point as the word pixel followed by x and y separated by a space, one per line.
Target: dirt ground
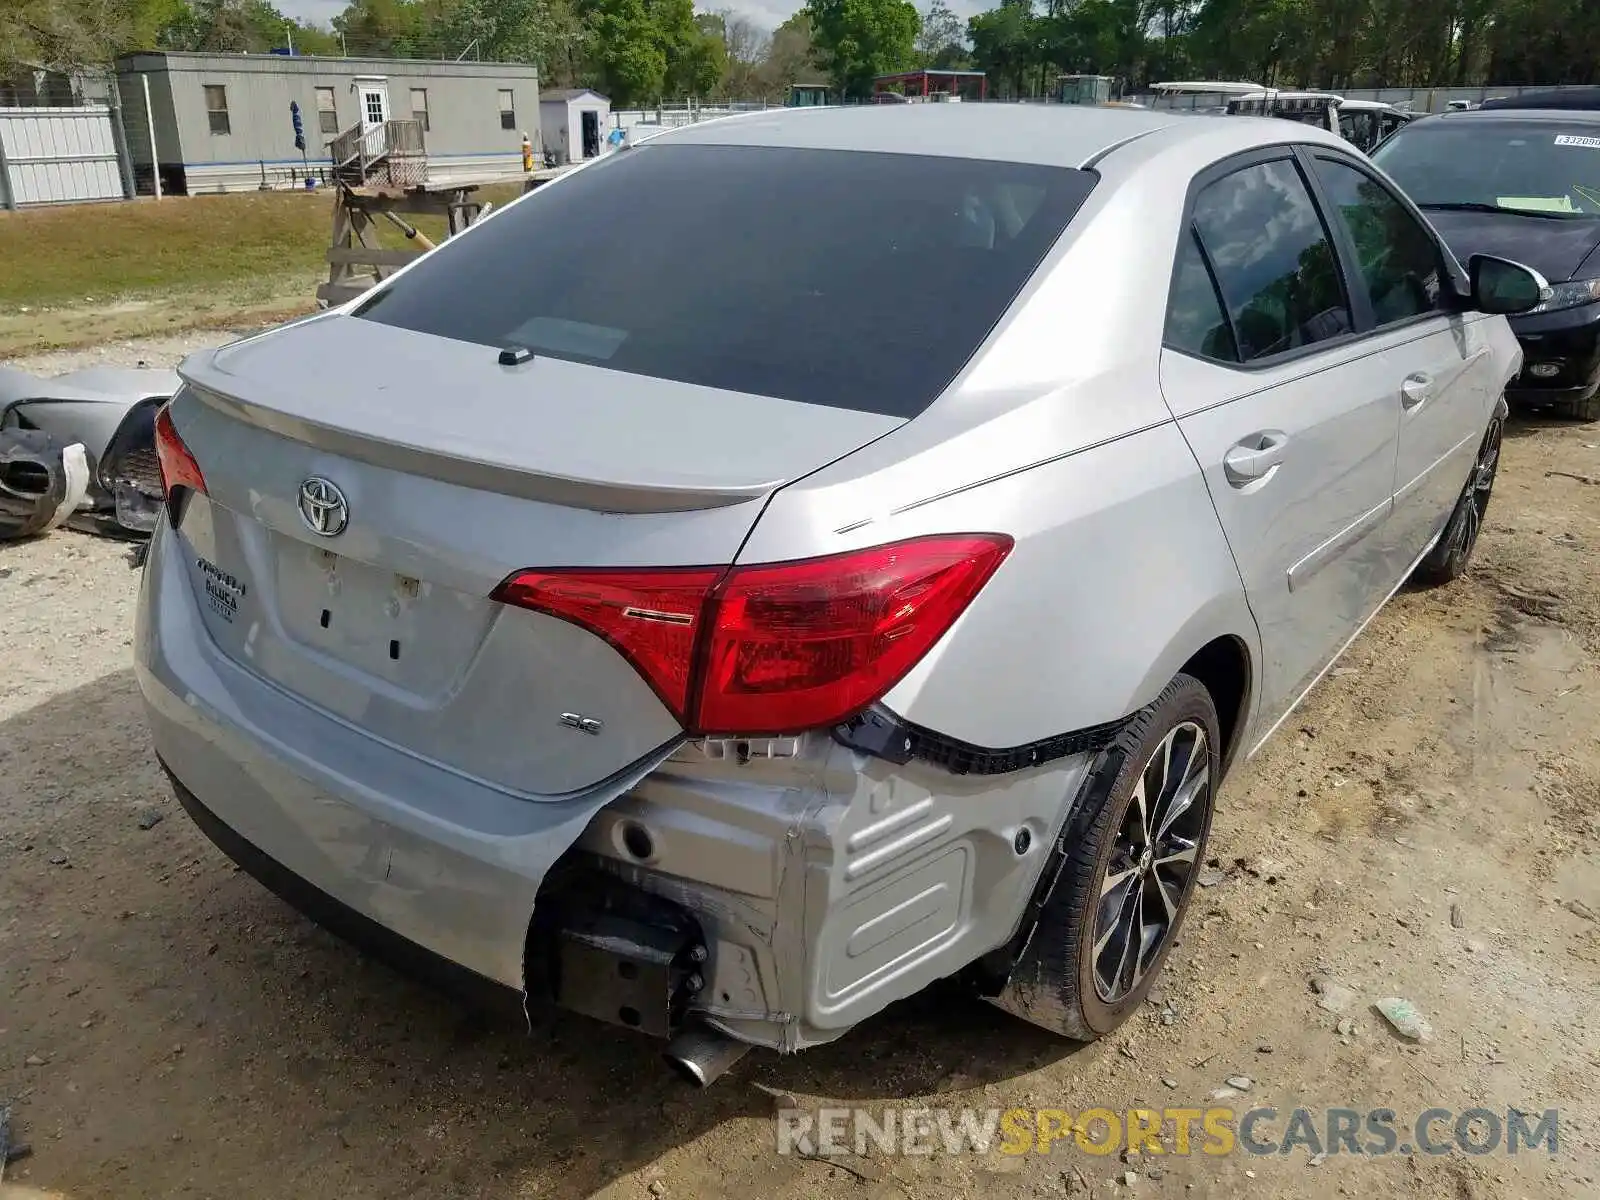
pixel 1425 827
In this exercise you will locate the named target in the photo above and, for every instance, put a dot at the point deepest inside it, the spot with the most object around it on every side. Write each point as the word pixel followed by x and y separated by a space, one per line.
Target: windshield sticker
pixel 1572 139
pixel 1550 204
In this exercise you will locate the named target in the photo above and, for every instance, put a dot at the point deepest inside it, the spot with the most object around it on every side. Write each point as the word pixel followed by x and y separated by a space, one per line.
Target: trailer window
pixel 508 110
pixel 327 111
pixel 217 108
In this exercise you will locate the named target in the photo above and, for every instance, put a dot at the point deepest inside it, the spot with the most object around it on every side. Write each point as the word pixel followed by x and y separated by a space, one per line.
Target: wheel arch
pixel 1221 648
pixel 1224 667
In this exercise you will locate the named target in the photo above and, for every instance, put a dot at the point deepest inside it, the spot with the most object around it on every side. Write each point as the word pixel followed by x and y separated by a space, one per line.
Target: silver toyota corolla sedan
pixel 808 555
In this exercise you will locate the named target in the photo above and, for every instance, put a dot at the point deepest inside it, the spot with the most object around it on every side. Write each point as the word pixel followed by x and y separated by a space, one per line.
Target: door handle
pixel 1416 389
pixel 1254 458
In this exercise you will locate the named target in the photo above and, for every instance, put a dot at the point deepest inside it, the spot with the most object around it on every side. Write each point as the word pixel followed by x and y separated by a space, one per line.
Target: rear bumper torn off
pixel 779 892
pixel 441 860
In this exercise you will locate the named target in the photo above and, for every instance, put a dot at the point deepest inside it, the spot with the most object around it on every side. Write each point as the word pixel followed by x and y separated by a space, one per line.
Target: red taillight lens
pixel 775 648
pixel 178 467
pixel 802 645
pixel 650 617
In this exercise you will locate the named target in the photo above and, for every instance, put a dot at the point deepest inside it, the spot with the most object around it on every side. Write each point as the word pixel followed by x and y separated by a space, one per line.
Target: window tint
pixel 1195 320
pixel 1399 261
pixel 1275 268
pixel 856 280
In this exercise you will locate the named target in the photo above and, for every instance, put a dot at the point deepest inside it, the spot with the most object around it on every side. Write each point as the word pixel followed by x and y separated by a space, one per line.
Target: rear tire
pixel 1447 561
pixel 1136 844
pixel 1581 410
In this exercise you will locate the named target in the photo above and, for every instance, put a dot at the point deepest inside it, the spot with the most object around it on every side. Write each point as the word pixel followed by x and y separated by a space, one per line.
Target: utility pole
pixel 288 29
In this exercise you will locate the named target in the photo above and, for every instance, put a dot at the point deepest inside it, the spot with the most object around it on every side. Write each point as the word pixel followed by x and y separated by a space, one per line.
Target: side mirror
pixel 1502 286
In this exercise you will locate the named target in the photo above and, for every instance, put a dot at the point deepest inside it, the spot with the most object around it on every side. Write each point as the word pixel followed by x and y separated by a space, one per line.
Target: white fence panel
pixel 58 156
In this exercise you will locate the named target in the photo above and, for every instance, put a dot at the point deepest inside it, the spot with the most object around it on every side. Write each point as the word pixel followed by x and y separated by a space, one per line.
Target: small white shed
pixel 574 123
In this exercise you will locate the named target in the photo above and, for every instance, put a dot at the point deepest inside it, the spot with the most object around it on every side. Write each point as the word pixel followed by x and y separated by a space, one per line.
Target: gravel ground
pixel 1424 828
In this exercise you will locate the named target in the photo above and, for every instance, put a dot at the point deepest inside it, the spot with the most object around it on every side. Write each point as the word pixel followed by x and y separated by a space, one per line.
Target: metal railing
pixel 394 152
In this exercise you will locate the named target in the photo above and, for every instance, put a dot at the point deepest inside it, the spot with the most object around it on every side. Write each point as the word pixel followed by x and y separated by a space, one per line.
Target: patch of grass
pixel 250 242
pixel 86 253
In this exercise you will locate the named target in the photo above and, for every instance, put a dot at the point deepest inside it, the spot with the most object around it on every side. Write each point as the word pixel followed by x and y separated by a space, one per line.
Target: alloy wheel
pixel 1152 858
pixel 1479 486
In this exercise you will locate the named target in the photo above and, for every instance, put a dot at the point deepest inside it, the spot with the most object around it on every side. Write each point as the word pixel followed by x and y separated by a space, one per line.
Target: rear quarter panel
pixel 1119 574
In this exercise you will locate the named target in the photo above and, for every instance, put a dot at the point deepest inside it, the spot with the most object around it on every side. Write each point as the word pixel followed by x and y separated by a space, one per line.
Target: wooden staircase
pixel 393 154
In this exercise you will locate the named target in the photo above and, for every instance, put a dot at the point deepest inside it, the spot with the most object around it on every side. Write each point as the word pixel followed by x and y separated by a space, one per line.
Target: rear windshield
pixel 857 280
pixel 1529 165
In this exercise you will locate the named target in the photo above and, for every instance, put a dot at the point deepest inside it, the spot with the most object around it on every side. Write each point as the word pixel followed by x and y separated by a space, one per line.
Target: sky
pixel 769 14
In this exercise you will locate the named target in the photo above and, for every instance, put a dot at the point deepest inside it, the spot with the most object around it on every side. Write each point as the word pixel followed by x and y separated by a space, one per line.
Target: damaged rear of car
pixel 607 616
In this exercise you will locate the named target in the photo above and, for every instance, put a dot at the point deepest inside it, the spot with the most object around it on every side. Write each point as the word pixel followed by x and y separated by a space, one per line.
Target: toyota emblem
pixel 323 507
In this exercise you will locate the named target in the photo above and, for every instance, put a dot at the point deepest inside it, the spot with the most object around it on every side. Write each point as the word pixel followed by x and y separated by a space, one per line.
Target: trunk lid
pixel 454 472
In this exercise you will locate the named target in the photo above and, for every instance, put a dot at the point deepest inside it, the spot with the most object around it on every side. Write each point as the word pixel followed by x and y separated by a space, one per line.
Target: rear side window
pixel 1274 264
pixel 1196 323
pixel 856 280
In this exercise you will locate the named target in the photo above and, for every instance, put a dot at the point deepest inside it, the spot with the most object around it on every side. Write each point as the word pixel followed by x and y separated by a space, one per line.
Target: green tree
pixel 248 26
pixel 694 51
pixel 791 58
pixel 858 39
pixel 746 48
pixel 1006 43
pixel 626 56
pixel 941 41
pixel 382 28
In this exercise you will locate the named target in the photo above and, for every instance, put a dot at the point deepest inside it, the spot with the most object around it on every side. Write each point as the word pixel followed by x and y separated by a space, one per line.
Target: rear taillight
pixel 774 648
pixel 178 467
pixel 650 617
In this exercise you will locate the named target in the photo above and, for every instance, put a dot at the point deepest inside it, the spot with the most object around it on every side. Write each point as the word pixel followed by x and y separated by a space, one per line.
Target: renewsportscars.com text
pixel 1216 1131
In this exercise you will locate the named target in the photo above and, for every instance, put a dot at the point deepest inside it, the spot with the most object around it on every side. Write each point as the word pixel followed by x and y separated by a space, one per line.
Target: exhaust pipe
pixel 702 1055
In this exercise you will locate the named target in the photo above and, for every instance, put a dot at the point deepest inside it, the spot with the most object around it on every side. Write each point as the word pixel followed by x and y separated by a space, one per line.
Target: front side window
pixel 1550 168
pixel 856 280
pixel 217 108
pixel 1274 263
pixel 508 110
pixel 1399 261
pixel 419 107
pixel 327 110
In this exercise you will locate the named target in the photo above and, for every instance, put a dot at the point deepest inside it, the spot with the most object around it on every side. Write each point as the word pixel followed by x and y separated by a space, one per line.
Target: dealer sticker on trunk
pixel 1573 139
pixel 223 590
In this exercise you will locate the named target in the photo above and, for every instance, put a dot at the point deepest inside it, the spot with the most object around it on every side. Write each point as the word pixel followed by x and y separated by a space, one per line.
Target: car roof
pixel 1572 116
pixel 1374 106
pixel 1586 97
pixel 1205 86
pixel 1057 135
pixel 1283 94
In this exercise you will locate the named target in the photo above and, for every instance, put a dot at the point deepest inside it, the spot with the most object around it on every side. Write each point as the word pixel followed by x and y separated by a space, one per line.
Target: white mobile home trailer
pixel 222 122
